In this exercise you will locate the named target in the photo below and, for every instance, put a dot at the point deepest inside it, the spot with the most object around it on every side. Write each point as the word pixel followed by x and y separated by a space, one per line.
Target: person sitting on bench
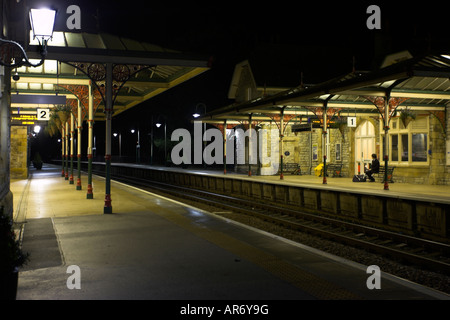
pixel 374 168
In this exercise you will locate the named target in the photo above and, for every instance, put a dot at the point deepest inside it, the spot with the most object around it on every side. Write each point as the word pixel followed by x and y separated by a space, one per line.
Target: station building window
pixel 408 146
pixel 365 144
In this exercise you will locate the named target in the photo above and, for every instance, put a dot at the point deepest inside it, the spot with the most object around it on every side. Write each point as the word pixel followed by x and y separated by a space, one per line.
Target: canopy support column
pixel 108 113
pixel 90 194
pixel 63 154
pixel 224 146
pixel 250 155
pixel 66 135
pixel 72 137
pixel 324 143
pixel 386 140
pixel 281 133
pixel 79 127
pixel 386 106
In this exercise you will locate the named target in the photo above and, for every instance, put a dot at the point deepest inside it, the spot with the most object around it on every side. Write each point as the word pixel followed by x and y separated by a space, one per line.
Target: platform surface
pixel 157 249
pixel 425 192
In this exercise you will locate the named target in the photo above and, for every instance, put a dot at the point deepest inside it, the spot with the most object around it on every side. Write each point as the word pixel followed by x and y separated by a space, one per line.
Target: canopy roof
pixel 424 81
pixel 142 70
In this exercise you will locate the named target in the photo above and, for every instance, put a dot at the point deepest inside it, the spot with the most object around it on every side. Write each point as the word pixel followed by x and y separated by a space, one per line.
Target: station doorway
pixel 365 145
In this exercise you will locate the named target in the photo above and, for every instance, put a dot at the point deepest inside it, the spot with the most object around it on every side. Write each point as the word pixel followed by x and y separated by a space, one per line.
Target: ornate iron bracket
pixel 318 112
pixel 380 104
pixel 13 55
pixel 82 94
pixel 97 73
pixel 286 119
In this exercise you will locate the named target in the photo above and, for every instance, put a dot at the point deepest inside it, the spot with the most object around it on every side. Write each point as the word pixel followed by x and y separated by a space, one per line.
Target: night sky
pixel 231 31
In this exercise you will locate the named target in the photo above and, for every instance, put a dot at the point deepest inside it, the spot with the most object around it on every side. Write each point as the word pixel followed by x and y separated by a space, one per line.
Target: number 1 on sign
pixel 351 122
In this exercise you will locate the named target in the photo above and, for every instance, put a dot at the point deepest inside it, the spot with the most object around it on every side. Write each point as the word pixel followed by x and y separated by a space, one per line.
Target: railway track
pixel 427 254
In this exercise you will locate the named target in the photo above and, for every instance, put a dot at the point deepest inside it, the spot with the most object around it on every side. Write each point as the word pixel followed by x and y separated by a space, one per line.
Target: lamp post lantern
pixel 12 53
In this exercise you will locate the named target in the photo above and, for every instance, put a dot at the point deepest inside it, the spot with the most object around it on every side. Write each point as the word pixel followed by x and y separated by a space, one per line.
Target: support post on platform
pixel 62 151
pixel 325 151
pixel 281 142
pixel 108 112
pixel 225 147
pixel 79 127
pixel 386 140
pixel 72 137
pixel 250 155
pixel 90 194
pixel 66 176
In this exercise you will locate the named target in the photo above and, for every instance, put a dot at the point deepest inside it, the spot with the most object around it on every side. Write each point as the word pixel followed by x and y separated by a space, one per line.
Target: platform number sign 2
pixel 351 122
pixel 43 114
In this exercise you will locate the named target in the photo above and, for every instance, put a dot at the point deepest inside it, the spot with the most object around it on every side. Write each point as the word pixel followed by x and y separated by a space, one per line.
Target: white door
pixel 364 145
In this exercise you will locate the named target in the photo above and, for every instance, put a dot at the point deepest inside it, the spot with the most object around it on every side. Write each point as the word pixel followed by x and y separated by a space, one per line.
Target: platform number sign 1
pixel 43 114
pixel 351 122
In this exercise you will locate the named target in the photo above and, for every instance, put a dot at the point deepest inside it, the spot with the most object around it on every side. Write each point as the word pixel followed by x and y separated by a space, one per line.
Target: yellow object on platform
pixel 318 170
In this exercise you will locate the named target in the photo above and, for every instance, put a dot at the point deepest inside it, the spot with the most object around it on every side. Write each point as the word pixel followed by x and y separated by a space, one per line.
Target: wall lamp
pixel 12 53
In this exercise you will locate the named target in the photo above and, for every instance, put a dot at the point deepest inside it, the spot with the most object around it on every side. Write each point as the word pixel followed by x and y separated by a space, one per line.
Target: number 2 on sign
pixel 43 114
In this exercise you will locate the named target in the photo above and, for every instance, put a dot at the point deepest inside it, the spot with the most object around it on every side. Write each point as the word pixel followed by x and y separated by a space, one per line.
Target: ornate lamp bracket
pixel 13 55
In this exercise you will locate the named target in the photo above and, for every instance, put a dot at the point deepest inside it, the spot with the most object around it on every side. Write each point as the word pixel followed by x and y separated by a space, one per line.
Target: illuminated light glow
pixel 42 22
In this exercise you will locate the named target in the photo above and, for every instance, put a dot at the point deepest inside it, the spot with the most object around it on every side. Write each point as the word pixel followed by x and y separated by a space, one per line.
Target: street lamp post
pixel 138 146
pixel 159 124
pixel 151 142
pixel 12 53
pixel 197 115
pixel 115 134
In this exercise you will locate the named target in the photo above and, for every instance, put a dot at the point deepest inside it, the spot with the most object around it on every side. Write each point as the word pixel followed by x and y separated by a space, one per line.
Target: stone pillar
pixel 6 198
pixel 19 152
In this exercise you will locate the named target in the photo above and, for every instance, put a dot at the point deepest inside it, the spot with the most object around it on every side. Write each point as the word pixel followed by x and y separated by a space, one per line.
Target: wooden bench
pixel 390 174
pixel 292 168
pixel 335 169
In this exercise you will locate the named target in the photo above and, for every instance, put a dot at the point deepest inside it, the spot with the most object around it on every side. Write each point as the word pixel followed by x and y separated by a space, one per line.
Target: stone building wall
pixel 299 147
pixel 246 88
pixel 19 152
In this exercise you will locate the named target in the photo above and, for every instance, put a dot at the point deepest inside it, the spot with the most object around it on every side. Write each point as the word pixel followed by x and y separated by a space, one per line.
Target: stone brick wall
pixel 437 171
pixel 247 88
pixel 297 148
pixel 19 152
pixel 445 179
